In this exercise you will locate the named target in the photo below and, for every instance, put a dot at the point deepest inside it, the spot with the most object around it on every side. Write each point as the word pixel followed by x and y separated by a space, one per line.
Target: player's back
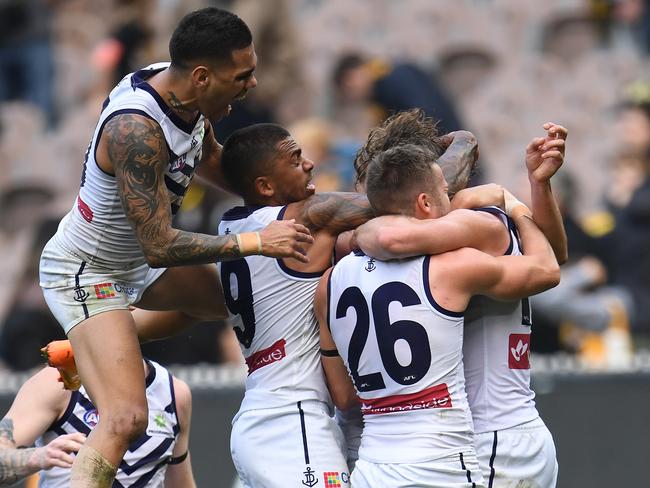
pixel 404 353
pixel 271 307
pixel 496 356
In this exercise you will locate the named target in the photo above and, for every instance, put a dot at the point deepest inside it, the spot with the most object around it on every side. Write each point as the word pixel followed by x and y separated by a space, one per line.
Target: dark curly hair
pixel 407 127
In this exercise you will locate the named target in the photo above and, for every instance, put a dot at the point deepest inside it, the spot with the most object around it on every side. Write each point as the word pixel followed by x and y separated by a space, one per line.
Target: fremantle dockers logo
pixel 370 266
pixel 310 479
pixel 80 295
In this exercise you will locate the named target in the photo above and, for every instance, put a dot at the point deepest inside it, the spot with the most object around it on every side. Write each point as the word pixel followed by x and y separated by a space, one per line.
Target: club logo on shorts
pixel 519 351
pixel 310 478
pixel 104 290
pixel 80 295
pixel 332 479
pixel 91 417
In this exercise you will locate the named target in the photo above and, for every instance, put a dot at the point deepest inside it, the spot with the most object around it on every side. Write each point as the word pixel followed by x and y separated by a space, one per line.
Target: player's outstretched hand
pixel 285 239
pixel 545 155
pixel 59 451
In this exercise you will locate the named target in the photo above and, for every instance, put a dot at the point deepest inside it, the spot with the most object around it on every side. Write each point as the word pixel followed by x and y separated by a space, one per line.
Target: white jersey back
pixel 97 228
pixel 146 459
pixel 404 354
pixel 271 308
pixel 496 356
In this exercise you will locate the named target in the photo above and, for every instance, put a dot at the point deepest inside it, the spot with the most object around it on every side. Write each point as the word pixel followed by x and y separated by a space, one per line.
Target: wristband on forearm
pixel 249 243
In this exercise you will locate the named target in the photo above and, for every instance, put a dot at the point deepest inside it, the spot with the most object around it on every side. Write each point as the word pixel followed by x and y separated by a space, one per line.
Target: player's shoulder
pixel 183 396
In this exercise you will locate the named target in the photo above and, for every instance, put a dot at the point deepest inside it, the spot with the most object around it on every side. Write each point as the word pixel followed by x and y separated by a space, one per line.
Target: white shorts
pixel 455 471
pixel 523 454
pixel 76 290
pixel 297 445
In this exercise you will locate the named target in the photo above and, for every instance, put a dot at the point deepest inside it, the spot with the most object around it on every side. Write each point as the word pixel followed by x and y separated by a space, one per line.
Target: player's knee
pixel 129 423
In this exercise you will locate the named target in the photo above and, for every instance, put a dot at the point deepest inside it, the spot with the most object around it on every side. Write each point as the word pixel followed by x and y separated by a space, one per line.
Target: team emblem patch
pixel 519 351
pixel 91 418
pixel 332 479
pixel 104 290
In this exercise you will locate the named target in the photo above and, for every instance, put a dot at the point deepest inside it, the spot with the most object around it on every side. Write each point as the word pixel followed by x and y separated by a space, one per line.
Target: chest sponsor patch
pixel 159 424
pixel 519 351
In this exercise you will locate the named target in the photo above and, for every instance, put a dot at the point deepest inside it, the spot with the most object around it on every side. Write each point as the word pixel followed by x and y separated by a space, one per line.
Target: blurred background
pixel 329 70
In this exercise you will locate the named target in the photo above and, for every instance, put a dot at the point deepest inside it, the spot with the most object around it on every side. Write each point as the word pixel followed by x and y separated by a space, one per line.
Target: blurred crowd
pixel 329 70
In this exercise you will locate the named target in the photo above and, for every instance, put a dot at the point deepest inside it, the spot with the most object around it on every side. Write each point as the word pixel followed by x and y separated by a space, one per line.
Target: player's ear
pixel 201 76
pixel 264 187
pixel 423 205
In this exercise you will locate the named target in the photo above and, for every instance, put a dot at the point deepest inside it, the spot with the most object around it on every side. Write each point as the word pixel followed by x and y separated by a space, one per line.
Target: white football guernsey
pixel 146 459
pixel 271 307
pixel 404 354
pixel 496 356
pixel 96 228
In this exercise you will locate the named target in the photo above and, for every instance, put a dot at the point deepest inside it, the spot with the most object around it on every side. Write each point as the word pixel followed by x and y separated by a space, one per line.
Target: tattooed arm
pixel 458 161
pixel 138 152
pixel 39 402
pixel 335 212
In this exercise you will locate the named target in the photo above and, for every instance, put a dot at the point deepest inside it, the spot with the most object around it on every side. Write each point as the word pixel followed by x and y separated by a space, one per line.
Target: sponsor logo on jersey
pixel 519 351
pixel 332 479
pixel 310 479
pixel 267 356
pixel 85 211
pixel 436 396
pixel 104 290
pixel 91 417
pixel 159 424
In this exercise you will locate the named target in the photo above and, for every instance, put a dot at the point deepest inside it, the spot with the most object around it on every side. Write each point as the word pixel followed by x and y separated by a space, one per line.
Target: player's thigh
pixel 288 447
pixel 194 290
pixel 109 361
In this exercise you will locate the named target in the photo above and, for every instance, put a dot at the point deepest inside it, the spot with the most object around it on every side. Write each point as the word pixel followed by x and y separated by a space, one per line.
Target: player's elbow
pixel 345 400
pixel 562 255
pixel 548 275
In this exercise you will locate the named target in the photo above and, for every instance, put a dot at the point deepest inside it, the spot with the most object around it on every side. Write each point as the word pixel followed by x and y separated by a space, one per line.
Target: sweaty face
pixel 291 176
pixel 230 82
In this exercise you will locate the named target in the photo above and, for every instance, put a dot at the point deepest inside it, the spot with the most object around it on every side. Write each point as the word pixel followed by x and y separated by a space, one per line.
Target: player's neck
pixel 172 90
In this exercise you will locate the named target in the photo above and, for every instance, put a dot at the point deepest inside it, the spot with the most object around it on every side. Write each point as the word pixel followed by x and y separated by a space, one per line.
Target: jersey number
pixel 387 333
pixel 243 304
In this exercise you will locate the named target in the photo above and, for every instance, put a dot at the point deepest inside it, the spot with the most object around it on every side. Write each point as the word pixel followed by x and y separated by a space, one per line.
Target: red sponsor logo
pixel 266 356
pixel 84 210
pixel 434 397
pixel 519 351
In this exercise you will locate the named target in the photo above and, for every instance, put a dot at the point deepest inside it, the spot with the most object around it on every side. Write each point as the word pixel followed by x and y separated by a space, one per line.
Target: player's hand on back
pixel 59 451
pixel 285 239
pixel 545 155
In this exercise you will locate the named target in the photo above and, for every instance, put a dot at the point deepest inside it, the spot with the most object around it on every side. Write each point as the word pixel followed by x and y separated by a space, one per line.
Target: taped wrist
pixel 249 243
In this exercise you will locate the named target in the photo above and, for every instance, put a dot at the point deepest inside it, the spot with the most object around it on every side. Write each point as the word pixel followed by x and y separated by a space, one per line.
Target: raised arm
pixel 37 405
pixel 515 277
pixel 338 380
pixel 139 155
pixel 395 236
pixel 179 472
pixel 544 156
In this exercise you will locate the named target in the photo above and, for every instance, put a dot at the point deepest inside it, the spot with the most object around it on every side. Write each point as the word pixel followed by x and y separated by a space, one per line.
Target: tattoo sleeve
pixel 138 151
pixel 15 464
pixel 458 161
pixel 337 211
